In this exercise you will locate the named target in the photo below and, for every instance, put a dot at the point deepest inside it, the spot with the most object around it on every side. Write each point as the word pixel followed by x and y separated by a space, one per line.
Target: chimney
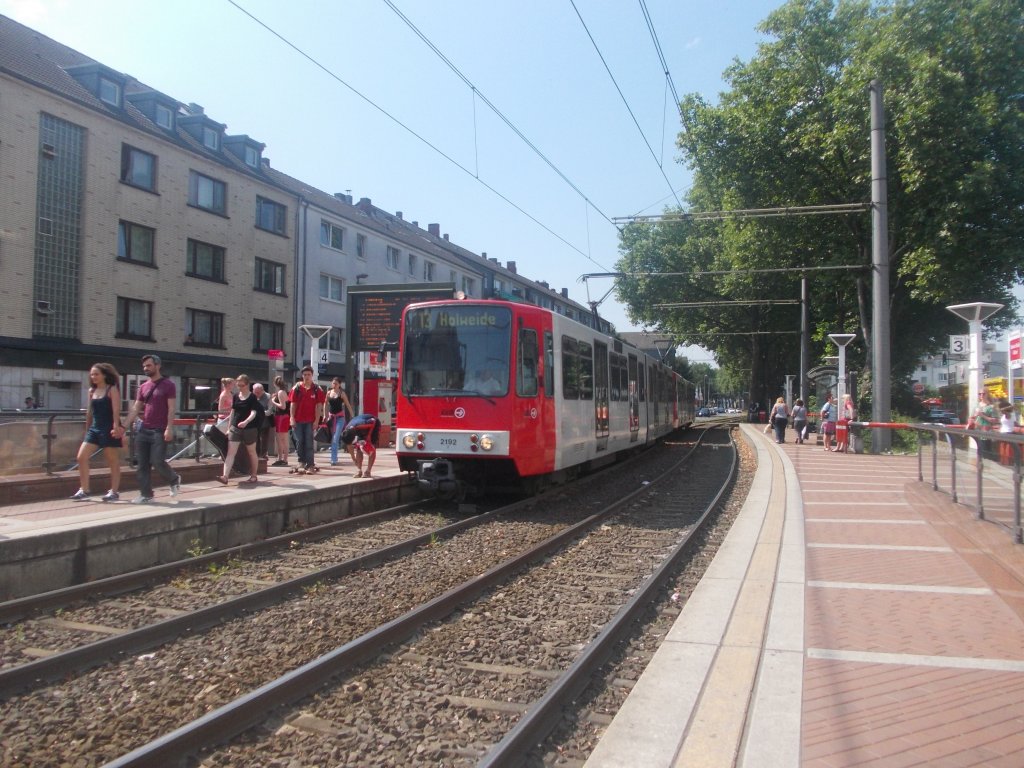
pixel 565 293
pixel 196 109
pixel 446 236
pixel 398 215
pixel 416 224
pixel 434 229
pixel 483 254
pixel 344 197
pixel 511 267
pixel 265 162
pixel 365 201
pixel 543 284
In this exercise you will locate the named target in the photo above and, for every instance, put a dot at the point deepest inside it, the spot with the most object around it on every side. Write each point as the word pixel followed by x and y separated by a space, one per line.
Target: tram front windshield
pixel 456 350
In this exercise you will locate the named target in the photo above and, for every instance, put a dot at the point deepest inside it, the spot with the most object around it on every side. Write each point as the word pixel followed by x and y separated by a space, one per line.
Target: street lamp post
pixel 841 340
pixel 975 314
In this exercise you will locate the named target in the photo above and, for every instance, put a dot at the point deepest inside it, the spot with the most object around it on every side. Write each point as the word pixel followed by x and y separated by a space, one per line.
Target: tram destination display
pixel 377 315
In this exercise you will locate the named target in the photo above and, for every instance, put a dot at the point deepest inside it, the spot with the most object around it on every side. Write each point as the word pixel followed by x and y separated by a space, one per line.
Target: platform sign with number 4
pixel 959 345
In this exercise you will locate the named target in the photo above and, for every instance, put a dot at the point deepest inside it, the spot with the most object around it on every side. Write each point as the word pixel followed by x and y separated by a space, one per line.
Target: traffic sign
pixel 959 345
pixel 918 388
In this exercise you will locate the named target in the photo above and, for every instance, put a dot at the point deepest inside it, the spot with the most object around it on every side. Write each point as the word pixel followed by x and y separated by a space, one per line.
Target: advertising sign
pixel 1014 349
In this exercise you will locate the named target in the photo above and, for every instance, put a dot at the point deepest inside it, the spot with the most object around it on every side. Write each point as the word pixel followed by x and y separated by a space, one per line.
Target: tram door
pixel 634 400
pixel 601 395
pixel 528 408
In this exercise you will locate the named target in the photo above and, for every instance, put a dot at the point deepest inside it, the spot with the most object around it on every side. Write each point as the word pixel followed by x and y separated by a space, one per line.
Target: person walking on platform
pixel 155 404
pixel 246 419
pixel 224 403
pixel 337 403
pixel 779 418
pixel 266 423
pixel 282 421
pixel 359 437
pixel 103 429
pixel 800 421
pixel 307 409
pixel 828 421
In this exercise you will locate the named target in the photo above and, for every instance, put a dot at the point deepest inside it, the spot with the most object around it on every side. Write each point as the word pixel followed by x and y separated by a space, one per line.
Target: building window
pixel 134 319
pixel 361 246
pixel 468 285
pixel 428 271
pixel 267 335
pixel 205 260
pixel 270 215
pixel 206 193
pixel 211 138
pixel 138 168
pixel 110 92
pixel 135 243
pixel 412 263
pixel 204 329
pixel 332 288
pixel 336 340
pixel 164 117
pixel 270 277
pixel 393 255
pixel 252 157
pixel 332 235
pixel 452 277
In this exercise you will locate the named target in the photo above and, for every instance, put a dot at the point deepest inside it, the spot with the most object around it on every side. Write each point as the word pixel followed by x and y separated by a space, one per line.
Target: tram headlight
pixel 409 440
pixel 486 442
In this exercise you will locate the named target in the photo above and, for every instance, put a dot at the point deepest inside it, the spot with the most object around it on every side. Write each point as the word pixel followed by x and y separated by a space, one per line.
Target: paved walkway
pixel 38 518
pixel 853 617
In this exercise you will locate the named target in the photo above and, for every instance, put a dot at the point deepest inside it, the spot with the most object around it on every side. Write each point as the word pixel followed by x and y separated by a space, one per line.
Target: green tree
pixel 793 130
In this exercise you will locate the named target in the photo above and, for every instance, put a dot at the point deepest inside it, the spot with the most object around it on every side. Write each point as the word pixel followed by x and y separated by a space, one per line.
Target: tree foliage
pixel 793 130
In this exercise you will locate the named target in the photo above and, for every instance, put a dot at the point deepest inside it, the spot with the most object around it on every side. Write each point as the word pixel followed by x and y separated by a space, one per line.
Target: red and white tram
pixel 495 394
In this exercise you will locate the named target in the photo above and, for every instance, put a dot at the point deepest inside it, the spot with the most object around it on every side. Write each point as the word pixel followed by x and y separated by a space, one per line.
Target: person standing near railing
pixel 1007 451
pixel 103 429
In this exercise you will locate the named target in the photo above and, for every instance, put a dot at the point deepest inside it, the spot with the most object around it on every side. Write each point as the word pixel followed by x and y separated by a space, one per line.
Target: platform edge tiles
pixel 724 688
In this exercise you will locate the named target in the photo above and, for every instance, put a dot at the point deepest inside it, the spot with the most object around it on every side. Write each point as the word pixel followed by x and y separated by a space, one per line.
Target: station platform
pixel 54 543
pixel 852 617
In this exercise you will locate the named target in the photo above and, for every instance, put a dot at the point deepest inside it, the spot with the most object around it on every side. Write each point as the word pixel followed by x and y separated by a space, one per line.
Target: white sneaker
pixel 176 486
pixel 111 496
pixel 80 495
pixel 142 500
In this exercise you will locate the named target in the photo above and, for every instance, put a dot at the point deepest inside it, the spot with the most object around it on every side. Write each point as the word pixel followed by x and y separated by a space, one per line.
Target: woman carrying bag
pixel 779 418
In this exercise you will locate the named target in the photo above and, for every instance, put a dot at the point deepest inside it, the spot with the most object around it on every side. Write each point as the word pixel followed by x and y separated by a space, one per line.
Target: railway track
pixel 239 670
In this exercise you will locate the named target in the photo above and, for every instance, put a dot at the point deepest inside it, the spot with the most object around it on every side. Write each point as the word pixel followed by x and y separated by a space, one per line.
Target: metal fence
pixel 978 469
pixel 39 441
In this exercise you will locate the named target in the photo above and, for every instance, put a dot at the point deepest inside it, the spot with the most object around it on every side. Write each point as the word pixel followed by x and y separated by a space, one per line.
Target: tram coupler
pixel 436 476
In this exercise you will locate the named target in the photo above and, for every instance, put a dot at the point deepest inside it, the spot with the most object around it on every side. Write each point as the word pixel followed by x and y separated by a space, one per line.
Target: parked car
pixel 704 412
pixel 938 416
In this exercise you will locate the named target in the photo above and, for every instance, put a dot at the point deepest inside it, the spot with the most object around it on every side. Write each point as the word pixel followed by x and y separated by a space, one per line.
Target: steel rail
pixel 241 714
pixel 76 660
pixel 540 720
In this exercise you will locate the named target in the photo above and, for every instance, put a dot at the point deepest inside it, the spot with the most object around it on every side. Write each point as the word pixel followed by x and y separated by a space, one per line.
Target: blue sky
pixel 532 59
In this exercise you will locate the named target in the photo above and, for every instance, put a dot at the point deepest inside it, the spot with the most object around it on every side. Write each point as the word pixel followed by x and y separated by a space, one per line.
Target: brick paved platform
pixel 854 617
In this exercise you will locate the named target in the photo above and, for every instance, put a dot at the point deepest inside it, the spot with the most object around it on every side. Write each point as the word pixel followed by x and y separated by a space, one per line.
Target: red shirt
pixel 305 402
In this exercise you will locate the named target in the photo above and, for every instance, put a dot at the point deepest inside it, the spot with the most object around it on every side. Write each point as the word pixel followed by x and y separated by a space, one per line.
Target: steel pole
pixel 881 407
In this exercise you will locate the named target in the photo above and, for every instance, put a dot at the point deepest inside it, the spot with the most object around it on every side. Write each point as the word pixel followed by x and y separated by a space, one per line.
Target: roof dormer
pixel 246 149
pixel 104 83
pixel 207 132
pixel 161 109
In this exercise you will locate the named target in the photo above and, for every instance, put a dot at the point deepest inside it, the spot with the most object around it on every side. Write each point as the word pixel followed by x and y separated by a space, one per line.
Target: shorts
pixel 102 439
pixel 247 436
pixel 828 428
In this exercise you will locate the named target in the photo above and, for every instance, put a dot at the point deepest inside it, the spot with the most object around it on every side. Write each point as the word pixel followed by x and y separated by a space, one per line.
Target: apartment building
pixel 131 222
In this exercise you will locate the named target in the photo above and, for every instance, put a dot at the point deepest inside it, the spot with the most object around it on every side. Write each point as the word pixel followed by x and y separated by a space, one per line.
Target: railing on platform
pixel 48 441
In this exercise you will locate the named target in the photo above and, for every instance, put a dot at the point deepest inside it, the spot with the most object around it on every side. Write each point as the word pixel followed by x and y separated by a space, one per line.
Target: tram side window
pixel 619 380
pixel 577 369
pixel 526 363
pixel 586 371
pixel 570 368
pixel 641 384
